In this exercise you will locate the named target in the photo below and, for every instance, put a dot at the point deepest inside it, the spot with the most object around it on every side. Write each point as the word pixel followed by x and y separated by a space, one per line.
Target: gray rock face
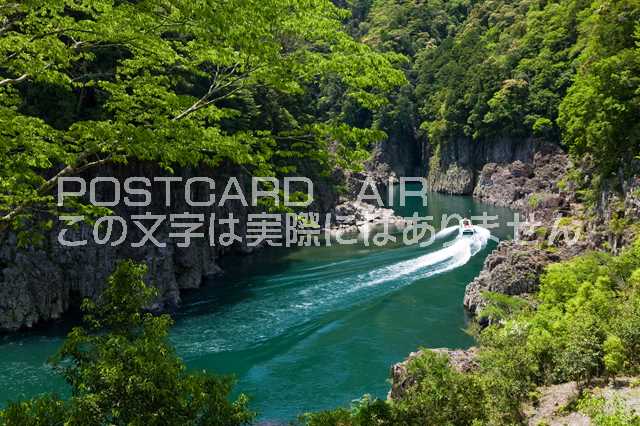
pixel 456 169
pixel 400 153
pixel 454 180
pixel 525 186
pixel 380 176
pixel 42 283
pixel 354 217
pixel 513 269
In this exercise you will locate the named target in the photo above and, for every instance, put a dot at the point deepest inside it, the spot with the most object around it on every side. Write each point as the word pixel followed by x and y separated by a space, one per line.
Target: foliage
pixel 599 114
pixel 502 74
pixel 559 70
pixel 366 411
pixel 84 83
pixel 122 370
pixel 500 306
pixel 579 329
pixel 410 26
pixel 607 414
pixel 441 395
pixel 614 355
pixel 337 417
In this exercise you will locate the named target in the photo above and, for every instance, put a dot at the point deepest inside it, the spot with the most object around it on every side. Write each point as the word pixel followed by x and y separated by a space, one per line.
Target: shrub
pixel 122 370
pixel 440 396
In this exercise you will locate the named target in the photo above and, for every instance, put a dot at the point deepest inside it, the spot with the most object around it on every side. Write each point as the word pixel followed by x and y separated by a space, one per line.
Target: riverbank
pixel 557 227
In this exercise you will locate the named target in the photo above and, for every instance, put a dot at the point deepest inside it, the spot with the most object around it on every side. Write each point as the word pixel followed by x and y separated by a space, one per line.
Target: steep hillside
pixel 493 81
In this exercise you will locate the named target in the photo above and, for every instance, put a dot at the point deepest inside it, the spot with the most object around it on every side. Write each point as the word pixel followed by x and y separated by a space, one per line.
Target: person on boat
pixel 466 227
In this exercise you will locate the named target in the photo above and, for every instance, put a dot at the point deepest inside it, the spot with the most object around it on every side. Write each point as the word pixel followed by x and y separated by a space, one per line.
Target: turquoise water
pixel 305 329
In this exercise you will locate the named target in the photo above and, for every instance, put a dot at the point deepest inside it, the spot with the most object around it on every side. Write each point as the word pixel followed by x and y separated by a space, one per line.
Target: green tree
pixel 176 82
pixel 599 113
pixel 440 395
pixel 614 355
pixel 122 370
pixel 580 357
pixel 500 307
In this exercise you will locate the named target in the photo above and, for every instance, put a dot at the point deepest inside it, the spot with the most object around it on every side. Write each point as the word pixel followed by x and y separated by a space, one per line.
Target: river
pixel 305 329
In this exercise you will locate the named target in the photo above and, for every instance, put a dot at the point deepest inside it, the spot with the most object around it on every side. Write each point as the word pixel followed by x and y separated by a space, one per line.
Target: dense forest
pixel 566 71
pixel 270 85
pixel 84 84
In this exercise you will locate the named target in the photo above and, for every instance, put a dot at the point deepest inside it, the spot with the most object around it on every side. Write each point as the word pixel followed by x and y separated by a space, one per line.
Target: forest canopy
pixel 186 82
pixel 561 70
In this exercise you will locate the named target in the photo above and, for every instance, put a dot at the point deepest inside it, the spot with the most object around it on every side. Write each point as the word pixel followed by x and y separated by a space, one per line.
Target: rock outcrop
pixel 455 165
pixel 525 186
pixel 533 189
pixel 399 155
pixel 356 217
pixel 512 269
pixel 536 191
pixel 382 177
pixel 454 180
pixel 40 283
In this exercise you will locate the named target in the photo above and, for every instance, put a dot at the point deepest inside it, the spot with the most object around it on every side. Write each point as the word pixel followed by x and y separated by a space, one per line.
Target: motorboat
pixel 466 228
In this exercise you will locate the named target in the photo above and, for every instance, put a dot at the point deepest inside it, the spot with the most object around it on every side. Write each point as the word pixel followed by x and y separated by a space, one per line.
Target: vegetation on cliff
pixel 562 70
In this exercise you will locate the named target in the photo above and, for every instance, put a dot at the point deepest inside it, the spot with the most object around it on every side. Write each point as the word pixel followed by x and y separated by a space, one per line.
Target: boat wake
pixel 447 232
pixel 297 296
pixel 453 255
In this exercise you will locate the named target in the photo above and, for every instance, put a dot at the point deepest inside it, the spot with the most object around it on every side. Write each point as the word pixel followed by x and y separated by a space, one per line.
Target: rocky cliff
pixel 454 166
pixel 546 201
pixel 526 186
pixel 42 282
pixel 398 155
pixel 531 189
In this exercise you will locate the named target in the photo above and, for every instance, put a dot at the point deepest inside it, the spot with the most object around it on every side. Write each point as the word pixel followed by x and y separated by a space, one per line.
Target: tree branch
pixel 216 87
pixel 80 166
pixel 13 80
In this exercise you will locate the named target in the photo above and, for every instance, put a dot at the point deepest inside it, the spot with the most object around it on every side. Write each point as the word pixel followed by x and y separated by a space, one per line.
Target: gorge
pixel 526 110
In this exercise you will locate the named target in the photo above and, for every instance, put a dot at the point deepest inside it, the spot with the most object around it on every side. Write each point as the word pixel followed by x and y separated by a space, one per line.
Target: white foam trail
pixel 456 250
pixel 446 232
pixel 480 239
pixel 272 314
pixel 455 255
